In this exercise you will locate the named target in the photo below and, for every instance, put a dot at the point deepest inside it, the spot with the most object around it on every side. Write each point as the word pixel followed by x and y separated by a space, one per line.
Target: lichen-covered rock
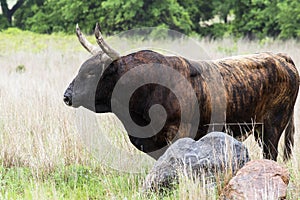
pixel 214 153
pixel 258 179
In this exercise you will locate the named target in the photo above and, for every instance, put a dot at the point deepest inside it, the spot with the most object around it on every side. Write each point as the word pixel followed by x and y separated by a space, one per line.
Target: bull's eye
pixel 90 75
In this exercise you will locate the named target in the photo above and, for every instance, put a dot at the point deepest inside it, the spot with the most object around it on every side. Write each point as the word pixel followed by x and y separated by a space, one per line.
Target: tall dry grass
pixel 38 131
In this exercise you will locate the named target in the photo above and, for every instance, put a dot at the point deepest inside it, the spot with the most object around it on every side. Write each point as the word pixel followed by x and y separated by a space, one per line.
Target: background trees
pixel 255 19
pixel 7 12
pixel 120 15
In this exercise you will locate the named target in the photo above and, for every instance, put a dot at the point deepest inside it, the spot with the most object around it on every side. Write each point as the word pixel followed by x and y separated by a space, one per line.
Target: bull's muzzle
pixel 68 94
pixel 68 99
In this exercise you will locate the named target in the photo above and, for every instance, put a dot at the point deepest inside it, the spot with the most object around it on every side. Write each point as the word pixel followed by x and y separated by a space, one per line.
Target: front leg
pixel 156 145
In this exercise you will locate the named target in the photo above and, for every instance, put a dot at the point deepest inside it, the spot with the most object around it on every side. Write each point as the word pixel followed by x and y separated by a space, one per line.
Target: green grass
pixel 41 154
pixel 73 182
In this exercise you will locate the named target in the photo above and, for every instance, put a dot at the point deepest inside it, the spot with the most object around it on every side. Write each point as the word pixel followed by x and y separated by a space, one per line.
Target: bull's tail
pixel 289 139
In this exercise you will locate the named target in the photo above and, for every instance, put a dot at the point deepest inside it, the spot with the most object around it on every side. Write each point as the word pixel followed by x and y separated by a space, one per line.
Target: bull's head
pixel 81 91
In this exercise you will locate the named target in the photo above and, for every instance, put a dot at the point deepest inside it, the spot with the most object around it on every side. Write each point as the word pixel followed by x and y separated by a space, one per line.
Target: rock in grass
pixel 216 152
pixel 258 179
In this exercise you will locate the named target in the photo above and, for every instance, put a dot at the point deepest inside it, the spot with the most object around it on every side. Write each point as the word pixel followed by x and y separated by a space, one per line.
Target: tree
pixel 222 8
pixel 120 15
pixel 8 13
pixel 255 19
pixel 28 9
pixel 114 15
pixel 61 16
pixel 289 19
pixel 198 11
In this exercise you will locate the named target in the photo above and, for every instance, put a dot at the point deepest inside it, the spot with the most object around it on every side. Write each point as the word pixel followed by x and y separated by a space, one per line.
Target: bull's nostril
pixel 68 100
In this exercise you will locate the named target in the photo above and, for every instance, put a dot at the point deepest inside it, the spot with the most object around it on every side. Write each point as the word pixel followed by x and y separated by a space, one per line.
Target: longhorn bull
pixel 259 87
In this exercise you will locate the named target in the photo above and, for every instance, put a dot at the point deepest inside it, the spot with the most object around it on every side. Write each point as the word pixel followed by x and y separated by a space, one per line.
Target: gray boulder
pixel 217 152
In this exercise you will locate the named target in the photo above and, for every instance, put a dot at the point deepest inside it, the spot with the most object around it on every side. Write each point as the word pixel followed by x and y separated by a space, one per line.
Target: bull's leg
pixel 239 131
pixel 270 141
pixel 272 131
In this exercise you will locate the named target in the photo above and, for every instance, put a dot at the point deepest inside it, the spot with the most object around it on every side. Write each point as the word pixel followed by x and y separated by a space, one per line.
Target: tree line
pixel 254 19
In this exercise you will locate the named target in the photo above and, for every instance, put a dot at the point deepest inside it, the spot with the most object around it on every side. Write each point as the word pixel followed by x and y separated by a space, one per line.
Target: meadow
pixel 41 153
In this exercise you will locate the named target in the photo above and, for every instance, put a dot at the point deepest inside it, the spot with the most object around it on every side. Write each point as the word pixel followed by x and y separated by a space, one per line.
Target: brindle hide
pixel 260 88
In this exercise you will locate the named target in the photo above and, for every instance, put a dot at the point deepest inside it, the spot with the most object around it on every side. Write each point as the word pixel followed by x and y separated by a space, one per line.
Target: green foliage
pixel 29 9
pixel 198 11
pixel 255 19
pixel 3 23
pixel 50 16
pixel 114 15
pixel 289 19
pixel 124 15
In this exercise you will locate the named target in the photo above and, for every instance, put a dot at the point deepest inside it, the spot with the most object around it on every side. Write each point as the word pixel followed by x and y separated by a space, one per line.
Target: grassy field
pixel 41 153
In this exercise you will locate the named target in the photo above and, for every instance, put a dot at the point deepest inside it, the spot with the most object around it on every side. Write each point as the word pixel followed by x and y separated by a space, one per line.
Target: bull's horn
pixel 85 43
pixel 104 46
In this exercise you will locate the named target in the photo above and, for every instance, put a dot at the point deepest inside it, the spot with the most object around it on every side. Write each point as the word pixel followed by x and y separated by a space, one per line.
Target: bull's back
pixel 253 85
pixel 258 85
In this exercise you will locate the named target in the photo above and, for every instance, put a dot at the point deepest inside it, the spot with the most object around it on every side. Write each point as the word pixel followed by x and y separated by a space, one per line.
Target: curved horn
pixel 85 43
pixel 104 46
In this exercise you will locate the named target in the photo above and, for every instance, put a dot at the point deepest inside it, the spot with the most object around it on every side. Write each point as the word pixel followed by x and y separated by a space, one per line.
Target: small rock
pixel 214 153
pixel 258 179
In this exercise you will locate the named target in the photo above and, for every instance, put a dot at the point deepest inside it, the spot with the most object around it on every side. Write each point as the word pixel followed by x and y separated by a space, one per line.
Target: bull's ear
pixel 104 46
pixel 94 50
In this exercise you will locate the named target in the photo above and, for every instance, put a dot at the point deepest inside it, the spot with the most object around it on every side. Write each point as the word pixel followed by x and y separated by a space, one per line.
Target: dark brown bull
pixel 259 88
